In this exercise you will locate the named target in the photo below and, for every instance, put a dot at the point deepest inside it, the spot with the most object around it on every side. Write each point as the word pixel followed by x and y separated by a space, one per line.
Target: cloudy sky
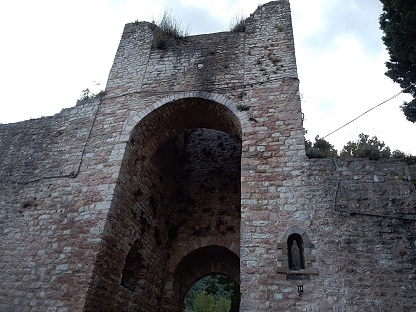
pixel 53 49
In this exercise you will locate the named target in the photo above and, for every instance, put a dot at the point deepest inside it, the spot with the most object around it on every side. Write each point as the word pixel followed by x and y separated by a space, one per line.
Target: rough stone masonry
pixel 193 163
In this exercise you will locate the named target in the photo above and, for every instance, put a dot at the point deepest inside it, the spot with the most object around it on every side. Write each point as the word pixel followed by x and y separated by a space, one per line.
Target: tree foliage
pixel 407 158
pixel 366 147
pixel 224 291
pixel 223 305
pixel 204 302
pixel 398 21
pixel 321 148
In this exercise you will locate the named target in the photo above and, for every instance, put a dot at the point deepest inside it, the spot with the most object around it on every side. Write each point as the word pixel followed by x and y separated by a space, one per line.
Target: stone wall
pixel 49 147
pixel 192 162
pixel 44 223
pixel 360 218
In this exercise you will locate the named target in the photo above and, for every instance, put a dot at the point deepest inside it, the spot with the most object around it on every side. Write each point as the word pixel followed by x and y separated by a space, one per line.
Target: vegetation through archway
pixel 213 293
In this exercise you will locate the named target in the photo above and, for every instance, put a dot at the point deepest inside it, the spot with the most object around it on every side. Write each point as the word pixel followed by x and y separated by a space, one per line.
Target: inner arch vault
pixel 177 202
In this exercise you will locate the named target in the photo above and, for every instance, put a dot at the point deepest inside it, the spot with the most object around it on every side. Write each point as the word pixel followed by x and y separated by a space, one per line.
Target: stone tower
pixel 208 129
pixel 192 164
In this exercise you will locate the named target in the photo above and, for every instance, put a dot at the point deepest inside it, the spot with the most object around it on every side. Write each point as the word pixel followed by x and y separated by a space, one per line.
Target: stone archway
pixel 179 186
pixel 200 263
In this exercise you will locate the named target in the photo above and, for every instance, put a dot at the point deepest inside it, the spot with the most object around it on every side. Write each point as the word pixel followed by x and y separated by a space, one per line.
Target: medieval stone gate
pixel 176 207
pixel 192 137
pixel 193 163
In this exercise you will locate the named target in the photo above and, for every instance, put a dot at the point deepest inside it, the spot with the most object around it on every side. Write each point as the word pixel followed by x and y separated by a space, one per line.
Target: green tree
pixel 407 158
pixel 212 285
pixel 222 305
pixel 204 303
pixel 321 148
pixel 221 287
pixel 366 147
pixel 398 22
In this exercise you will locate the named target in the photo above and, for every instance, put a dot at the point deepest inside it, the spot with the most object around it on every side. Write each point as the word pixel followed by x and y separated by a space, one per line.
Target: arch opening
pixel 178 190
pixel 215 291
pixel 205 262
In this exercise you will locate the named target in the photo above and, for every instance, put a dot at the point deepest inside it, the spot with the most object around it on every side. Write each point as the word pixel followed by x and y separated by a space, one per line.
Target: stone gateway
pixel 193 163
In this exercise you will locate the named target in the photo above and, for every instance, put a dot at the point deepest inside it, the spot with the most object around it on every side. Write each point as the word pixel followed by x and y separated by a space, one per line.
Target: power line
pixel 389 99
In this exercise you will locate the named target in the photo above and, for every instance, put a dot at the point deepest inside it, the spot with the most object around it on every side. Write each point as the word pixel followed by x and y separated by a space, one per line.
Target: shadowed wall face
pixel 179 189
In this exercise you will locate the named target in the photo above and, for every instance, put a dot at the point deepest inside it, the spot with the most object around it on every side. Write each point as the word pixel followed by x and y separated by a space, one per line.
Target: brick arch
pixel 201 262
pixel 203 242
pixel 174 114
pixel 297 230
pixel 145 207
pixel 218 98
pixel 240 118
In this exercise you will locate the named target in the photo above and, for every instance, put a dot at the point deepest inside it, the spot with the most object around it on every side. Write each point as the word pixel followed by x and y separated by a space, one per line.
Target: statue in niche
pixel 295 256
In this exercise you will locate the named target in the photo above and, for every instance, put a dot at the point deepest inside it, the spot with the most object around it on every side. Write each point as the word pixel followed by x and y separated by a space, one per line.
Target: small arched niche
pixel 295 255
pixel 133 268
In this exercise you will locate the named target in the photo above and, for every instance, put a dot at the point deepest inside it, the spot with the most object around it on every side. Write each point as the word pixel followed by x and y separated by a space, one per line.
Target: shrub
pixel 167 27
pixel 320 148
pixel 407 158
pixel 366 147
pixel 88 95
pixel 238 23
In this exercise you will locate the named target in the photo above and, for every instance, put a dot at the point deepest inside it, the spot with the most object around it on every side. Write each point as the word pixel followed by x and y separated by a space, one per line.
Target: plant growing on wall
pixel 238 23
pixel 87 94
pixel 167 27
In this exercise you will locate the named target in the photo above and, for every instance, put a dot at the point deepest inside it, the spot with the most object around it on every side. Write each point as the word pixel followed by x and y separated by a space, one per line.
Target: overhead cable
pixel 389 99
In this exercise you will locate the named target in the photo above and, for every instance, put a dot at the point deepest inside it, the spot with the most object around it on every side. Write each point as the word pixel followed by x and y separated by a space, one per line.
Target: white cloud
pixel 51 50
pixel 308 17
pixel 351 82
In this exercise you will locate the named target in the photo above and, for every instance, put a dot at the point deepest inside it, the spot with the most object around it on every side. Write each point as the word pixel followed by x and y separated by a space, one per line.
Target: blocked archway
pixel 178 187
